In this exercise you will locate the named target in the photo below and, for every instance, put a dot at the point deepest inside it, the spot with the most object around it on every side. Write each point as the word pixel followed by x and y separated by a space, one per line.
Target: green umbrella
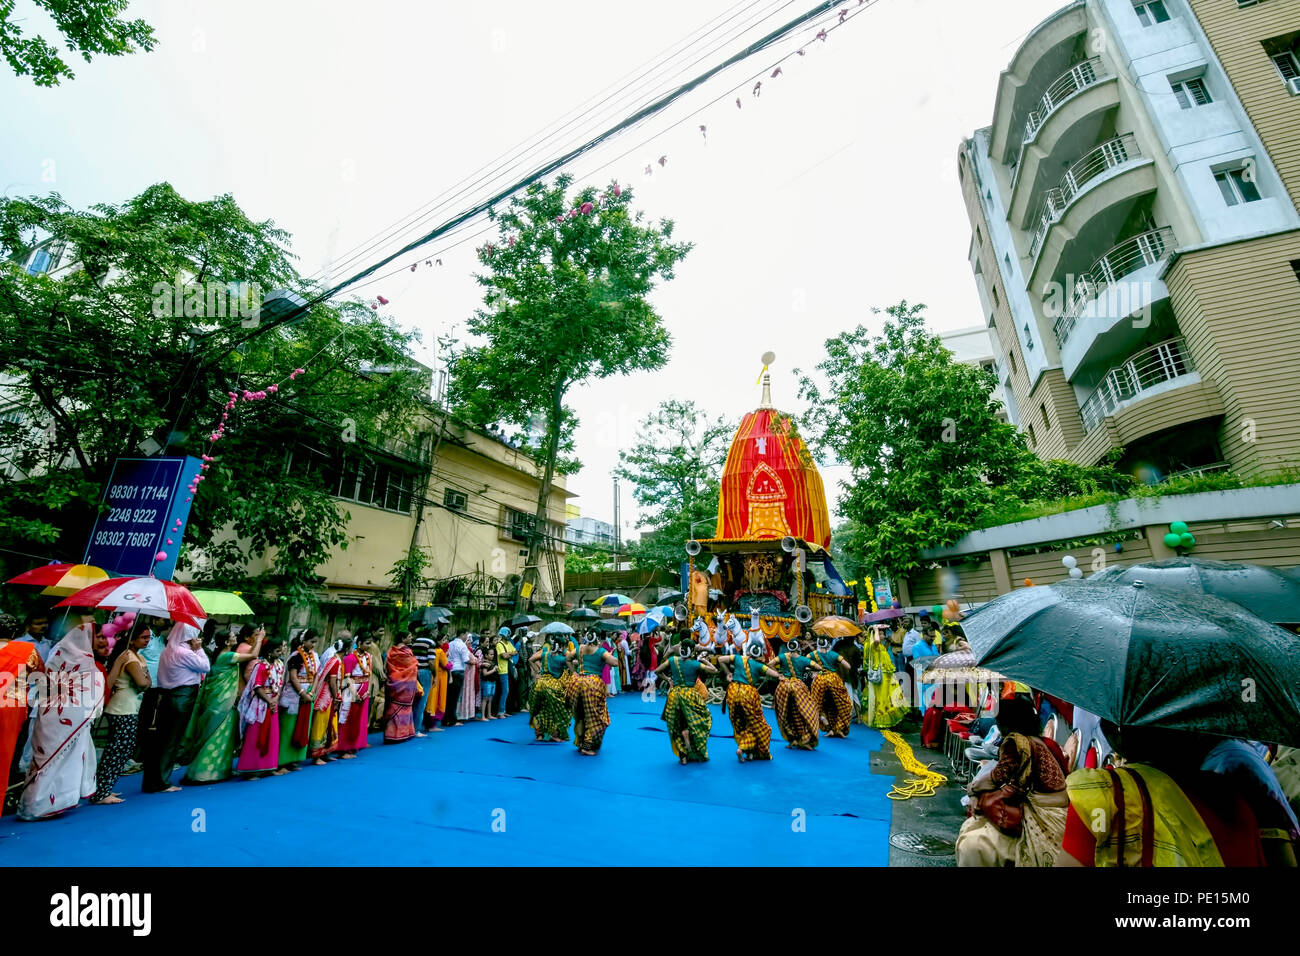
pixel 222 602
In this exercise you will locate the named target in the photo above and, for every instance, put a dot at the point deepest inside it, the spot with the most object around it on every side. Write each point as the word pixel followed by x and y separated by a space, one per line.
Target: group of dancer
pixel 810 693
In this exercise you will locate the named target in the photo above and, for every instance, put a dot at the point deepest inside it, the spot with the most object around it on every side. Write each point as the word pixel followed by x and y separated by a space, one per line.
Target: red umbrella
pixel 61 578
pixel 146 594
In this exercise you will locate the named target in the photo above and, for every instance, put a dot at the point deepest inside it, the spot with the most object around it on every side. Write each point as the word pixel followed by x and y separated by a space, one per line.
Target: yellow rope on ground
pixel 926 781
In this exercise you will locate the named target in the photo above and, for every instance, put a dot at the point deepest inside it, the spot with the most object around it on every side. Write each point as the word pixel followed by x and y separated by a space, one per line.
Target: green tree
pixel 565 301
pixel 920 432
pixel 105 358
pixel 675 472
pixel 87 27
pixel 580 560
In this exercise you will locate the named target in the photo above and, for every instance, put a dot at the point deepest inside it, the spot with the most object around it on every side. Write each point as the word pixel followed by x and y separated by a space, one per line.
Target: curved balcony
pixel 1130 256
pixel 1141 373
pixel 1096 162
pixel 1073 81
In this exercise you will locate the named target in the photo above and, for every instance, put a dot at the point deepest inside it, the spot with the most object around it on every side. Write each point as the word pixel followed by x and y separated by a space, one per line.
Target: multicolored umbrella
pixel 627 610
pixel 221 602
pixel 150 595
pixel 648 625
pixel 611 600
pixel 958 667
pixel 61 579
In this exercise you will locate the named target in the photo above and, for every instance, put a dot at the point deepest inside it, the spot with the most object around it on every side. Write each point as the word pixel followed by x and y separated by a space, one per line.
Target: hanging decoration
pixel 822 34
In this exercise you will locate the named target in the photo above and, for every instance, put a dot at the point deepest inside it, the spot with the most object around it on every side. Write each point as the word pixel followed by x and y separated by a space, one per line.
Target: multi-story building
pixel 580 530
pixel 977 345
pixel 466 499
pixel 1136 241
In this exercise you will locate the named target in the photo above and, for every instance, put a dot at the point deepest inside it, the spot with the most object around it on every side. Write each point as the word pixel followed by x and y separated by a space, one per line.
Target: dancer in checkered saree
pixel 744 706
pixel 686 713
pixel 549 713
pixel 590 713
pixel 830 696
pixel 796 711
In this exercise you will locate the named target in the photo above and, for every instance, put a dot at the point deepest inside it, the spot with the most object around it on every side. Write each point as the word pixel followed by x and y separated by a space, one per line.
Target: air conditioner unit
pixel 1293 85
pixel 455 501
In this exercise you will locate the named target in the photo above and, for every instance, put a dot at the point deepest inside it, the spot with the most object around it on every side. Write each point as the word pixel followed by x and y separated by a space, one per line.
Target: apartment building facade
pixel 1135 234
pixel 977 345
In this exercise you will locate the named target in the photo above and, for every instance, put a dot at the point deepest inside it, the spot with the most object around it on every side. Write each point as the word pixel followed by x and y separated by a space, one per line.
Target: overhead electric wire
pixel 865 5
pixel 581 114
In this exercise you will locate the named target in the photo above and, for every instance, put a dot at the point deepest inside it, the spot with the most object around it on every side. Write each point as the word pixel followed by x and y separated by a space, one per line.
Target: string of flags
pixel 587 208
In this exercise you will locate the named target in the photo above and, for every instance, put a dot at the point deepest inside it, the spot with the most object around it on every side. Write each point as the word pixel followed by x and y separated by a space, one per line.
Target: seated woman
pixel 1164 810
pixel 1029 776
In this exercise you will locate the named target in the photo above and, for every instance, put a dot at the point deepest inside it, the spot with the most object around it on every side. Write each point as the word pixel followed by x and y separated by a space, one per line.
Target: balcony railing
pixel 1107 156
pixel 1078 77
pixel 1159 363
pixel 1137 252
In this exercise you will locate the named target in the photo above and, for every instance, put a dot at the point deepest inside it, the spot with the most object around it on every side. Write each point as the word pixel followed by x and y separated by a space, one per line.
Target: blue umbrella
pixel 556 627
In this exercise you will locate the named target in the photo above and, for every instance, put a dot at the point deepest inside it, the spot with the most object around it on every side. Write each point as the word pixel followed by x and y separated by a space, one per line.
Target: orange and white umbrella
pixel 148 595
pixel 61 579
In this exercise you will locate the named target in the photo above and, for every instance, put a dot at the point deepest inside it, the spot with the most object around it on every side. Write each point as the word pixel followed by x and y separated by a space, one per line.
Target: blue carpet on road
pixel 487 794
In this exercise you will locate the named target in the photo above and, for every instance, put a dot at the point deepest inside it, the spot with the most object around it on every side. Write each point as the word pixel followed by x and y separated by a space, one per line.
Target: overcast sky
pixel 831 192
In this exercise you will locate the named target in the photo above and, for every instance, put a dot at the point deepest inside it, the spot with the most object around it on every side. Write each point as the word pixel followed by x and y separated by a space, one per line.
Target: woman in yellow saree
pixel 885 705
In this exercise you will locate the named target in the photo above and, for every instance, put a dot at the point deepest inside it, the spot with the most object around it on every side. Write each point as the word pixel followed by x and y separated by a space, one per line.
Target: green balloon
pixel 1178 527
pixel 1173 540
pixel 937 610
pixel 1187 539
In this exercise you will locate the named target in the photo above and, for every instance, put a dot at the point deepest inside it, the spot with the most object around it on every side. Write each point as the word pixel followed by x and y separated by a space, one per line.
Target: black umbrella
pixel 431 616
pixel 584 614
pixel 1143 657
pixel 523 620
pixel 1269 593
pixel 610 624
pixel 671 597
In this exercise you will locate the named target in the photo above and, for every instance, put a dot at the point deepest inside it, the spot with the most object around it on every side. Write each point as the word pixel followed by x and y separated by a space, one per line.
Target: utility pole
pixel 616 524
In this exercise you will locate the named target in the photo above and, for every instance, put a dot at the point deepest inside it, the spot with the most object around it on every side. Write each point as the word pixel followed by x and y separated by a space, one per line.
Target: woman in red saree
pixel 259 713
pixel 354 712
pixel 325 707
pixel 403 670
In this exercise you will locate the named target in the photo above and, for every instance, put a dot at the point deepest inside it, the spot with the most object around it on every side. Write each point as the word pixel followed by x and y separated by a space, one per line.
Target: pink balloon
pixel 160 556
pixel 169 540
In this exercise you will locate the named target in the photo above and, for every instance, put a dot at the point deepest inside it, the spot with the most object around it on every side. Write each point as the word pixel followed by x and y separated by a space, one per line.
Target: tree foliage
pixel 920 432
pixel 86 26
pixel 565 301
pixel 104 356
pixel 675 472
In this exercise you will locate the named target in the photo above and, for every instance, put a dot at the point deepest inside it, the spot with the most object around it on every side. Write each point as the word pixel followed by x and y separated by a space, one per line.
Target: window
pixel 1151 12
pixel 1047 422
pixel 1029 339
pixel 1295 267
pixel 1011 358
pixel 39 262
pixel 1190 93
pixel 979 237
pixel 1033 441
pixel 994 290
pixel 1288 66
pixel 516 525
pixel 1237 185
pixel 454 500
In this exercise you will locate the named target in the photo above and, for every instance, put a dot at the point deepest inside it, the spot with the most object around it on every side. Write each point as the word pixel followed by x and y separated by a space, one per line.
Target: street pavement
pixel 487 794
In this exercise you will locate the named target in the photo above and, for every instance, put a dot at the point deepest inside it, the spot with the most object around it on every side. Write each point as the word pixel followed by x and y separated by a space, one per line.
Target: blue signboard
pixel 145 498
